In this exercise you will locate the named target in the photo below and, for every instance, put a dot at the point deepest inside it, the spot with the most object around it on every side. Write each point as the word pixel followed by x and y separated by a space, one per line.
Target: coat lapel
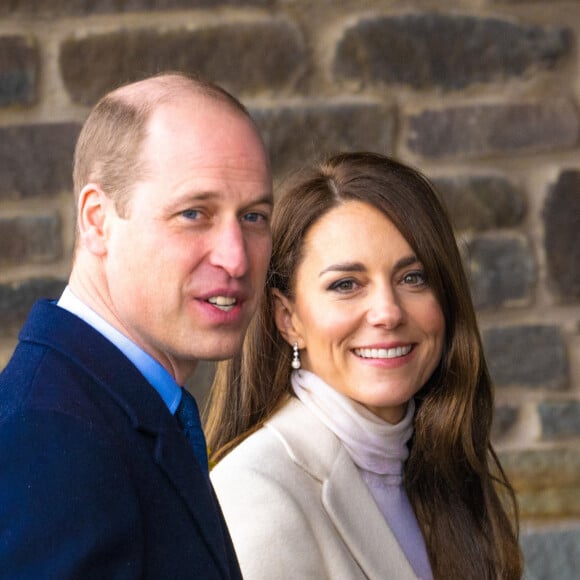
pixel 345 496
pixel 145 410
pixel 175 457
pixel 351 507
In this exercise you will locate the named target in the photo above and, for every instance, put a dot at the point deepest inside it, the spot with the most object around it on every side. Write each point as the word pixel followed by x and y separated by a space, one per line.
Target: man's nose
pixel 229 249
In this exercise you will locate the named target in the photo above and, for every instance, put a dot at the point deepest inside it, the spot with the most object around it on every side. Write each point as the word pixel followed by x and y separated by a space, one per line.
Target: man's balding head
pixel 108 150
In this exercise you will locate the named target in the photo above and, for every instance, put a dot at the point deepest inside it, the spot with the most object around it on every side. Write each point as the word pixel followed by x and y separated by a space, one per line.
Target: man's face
pixel 187 265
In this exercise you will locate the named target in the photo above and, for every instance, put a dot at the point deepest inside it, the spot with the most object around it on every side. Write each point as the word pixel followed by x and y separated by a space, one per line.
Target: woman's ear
pixel 285 319
pixel 93 205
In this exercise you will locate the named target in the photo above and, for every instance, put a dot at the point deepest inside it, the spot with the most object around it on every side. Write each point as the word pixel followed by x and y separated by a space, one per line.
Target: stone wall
pixel 482 95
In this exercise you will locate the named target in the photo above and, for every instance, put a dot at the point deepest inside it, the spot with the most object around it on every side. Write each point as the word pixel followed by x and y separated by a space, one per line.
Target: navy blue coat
pixel 96 479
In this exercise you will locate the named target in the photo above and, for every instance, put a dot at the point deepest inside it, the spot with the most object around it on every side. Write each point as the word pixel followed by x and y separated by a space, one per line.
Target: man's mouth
pixel 225 303
pixel 383 352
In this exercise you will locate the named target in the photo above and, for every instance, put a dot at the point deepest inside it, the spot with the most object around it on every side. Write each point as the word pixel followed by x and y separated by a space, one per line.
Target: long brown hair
pixel 464 504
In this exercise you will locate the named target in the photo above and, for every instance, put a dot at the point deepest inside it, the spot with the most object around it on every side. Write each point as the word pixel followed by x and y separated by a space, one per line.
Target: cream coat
pixel 297 508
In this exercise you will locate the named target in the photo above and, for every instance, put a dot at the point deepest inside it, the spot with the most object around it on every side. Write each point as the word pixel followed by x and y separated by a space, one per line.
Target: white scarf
pixel 379 450
pixel 373 444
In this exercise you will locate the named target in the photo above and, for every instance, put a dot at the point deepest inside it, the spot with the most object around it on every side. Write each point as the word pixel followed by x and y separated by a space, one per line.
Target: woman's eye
pixel 343 285
pixel 415 278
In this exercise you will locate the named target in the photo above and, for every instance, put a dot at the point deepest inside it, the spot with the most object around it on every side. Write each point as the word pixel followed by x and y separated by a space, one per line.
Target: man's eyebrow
pixel 267 199
pixel 194 197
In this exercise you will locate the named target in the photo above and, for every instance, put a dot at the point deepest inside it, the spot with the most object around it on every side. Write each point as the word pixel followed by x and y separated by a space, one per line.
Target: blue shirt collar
pixel 151 369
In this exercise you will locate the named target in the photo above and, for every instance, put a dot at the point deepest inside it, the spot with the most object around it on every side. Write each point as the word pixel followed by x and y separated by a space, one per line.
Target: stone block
pixel 504 418
pixel 18 71
pixel 559 419
pixel 36 160
pixel 552 552
pixel 481 202
pixel 30 238
pixel 547 481
pixel 501 269
pixel 473 131
pixel 295 135
pixel 446 51
pixel 17 299
pixel 531 356
pixel 65 8
pixel 244 57
pixel 562 235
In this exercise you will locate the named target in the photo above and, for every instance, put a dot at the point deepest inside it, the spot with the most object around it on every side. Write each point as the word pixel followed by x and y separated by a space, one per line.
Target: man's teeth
pixel 382 352
pixel 222 302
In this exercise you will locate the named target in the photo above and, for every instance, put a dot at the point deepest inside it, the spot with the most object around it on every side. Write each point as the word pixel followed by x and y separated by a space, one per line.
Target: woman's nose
pixel 385 308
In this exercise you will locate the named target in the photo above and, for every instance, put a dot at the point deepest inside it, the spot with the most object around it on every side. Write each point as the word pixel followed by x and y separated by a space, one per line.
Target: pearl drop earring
pixel 295 357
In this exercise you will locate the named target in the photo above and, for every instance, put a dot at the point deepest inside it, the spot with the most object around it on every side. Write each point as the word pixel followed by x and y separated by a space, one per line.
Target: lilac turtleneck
pixel 379 450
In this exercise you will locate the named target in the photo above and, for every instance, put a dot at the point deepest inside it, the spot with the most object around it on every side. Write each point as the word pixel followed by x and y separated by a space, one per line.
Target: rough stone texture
pixel 295 135
pixel 562 235
pixel 452 52
pixel 481 202
pixel 559 418
pixel 547 481
pixel 242 56
pixel 36 160
pixel 17 299
pixel 552 553
pixel 481 130
pixel 504 418
pixel 502 271
pixel 530 356
pixel 85 7
pixel 28 238
pixel 18 71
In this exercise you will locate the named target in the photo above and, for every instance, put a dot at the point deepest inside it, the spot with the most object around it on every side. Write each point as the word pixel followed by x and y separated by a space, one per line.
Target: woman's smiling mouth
pixel 395 352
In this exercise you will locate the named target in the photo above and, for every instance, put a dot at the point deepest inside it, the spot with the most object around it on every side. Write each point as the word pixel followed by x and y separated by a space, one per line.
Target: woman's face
pixel 365 318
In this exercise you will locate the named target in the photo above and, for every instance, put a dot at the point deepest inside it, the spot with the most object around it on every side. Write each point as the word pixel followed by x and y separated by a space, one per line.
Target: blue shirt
pixel 150 368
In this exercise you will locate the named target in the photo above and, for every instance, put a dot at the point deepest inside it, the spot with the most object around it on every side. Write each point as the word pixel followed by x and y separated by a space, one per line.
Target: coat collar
pixel 345 496
pixel 56 328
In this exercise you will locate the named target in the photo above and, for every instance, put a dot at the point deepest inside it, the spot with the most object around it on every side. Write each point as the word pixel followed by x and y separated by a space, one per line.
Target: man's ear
pixel 93 205
pixel 285 319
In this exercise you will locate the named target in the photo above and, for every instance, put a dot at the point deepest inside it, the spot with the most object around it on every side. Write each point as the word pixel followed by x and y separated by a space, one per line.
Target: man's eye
pixel 190 214
pixel 254 217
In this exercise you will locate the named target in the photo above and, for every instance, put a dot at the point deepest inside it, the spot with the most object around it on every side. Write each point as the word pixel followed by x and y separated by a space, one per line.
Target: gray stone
pixel 502 271
pixel 494 129
pixel 552 552
pixel 562 236
pixel 559 418
pixel 448 51
pixel 504 418
pixel 481 202
pixel 36 160
pixel 18 71
pixel 31 238
pixel 297 134
pixel 85 7
pixel 547 481
pixel 532 356
pixel 244 57
pixel 16 300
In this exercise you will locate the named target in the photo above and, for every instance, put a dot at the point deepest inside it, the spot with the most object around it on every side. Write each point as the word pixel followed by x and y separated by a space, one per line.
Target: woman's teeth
pixel 224 303
pixel 382 352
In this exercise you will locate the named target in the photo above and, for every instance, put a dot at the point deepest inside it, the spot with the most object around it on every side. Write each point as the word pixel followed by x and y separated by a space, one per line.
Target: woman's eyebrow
pixel 344 267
